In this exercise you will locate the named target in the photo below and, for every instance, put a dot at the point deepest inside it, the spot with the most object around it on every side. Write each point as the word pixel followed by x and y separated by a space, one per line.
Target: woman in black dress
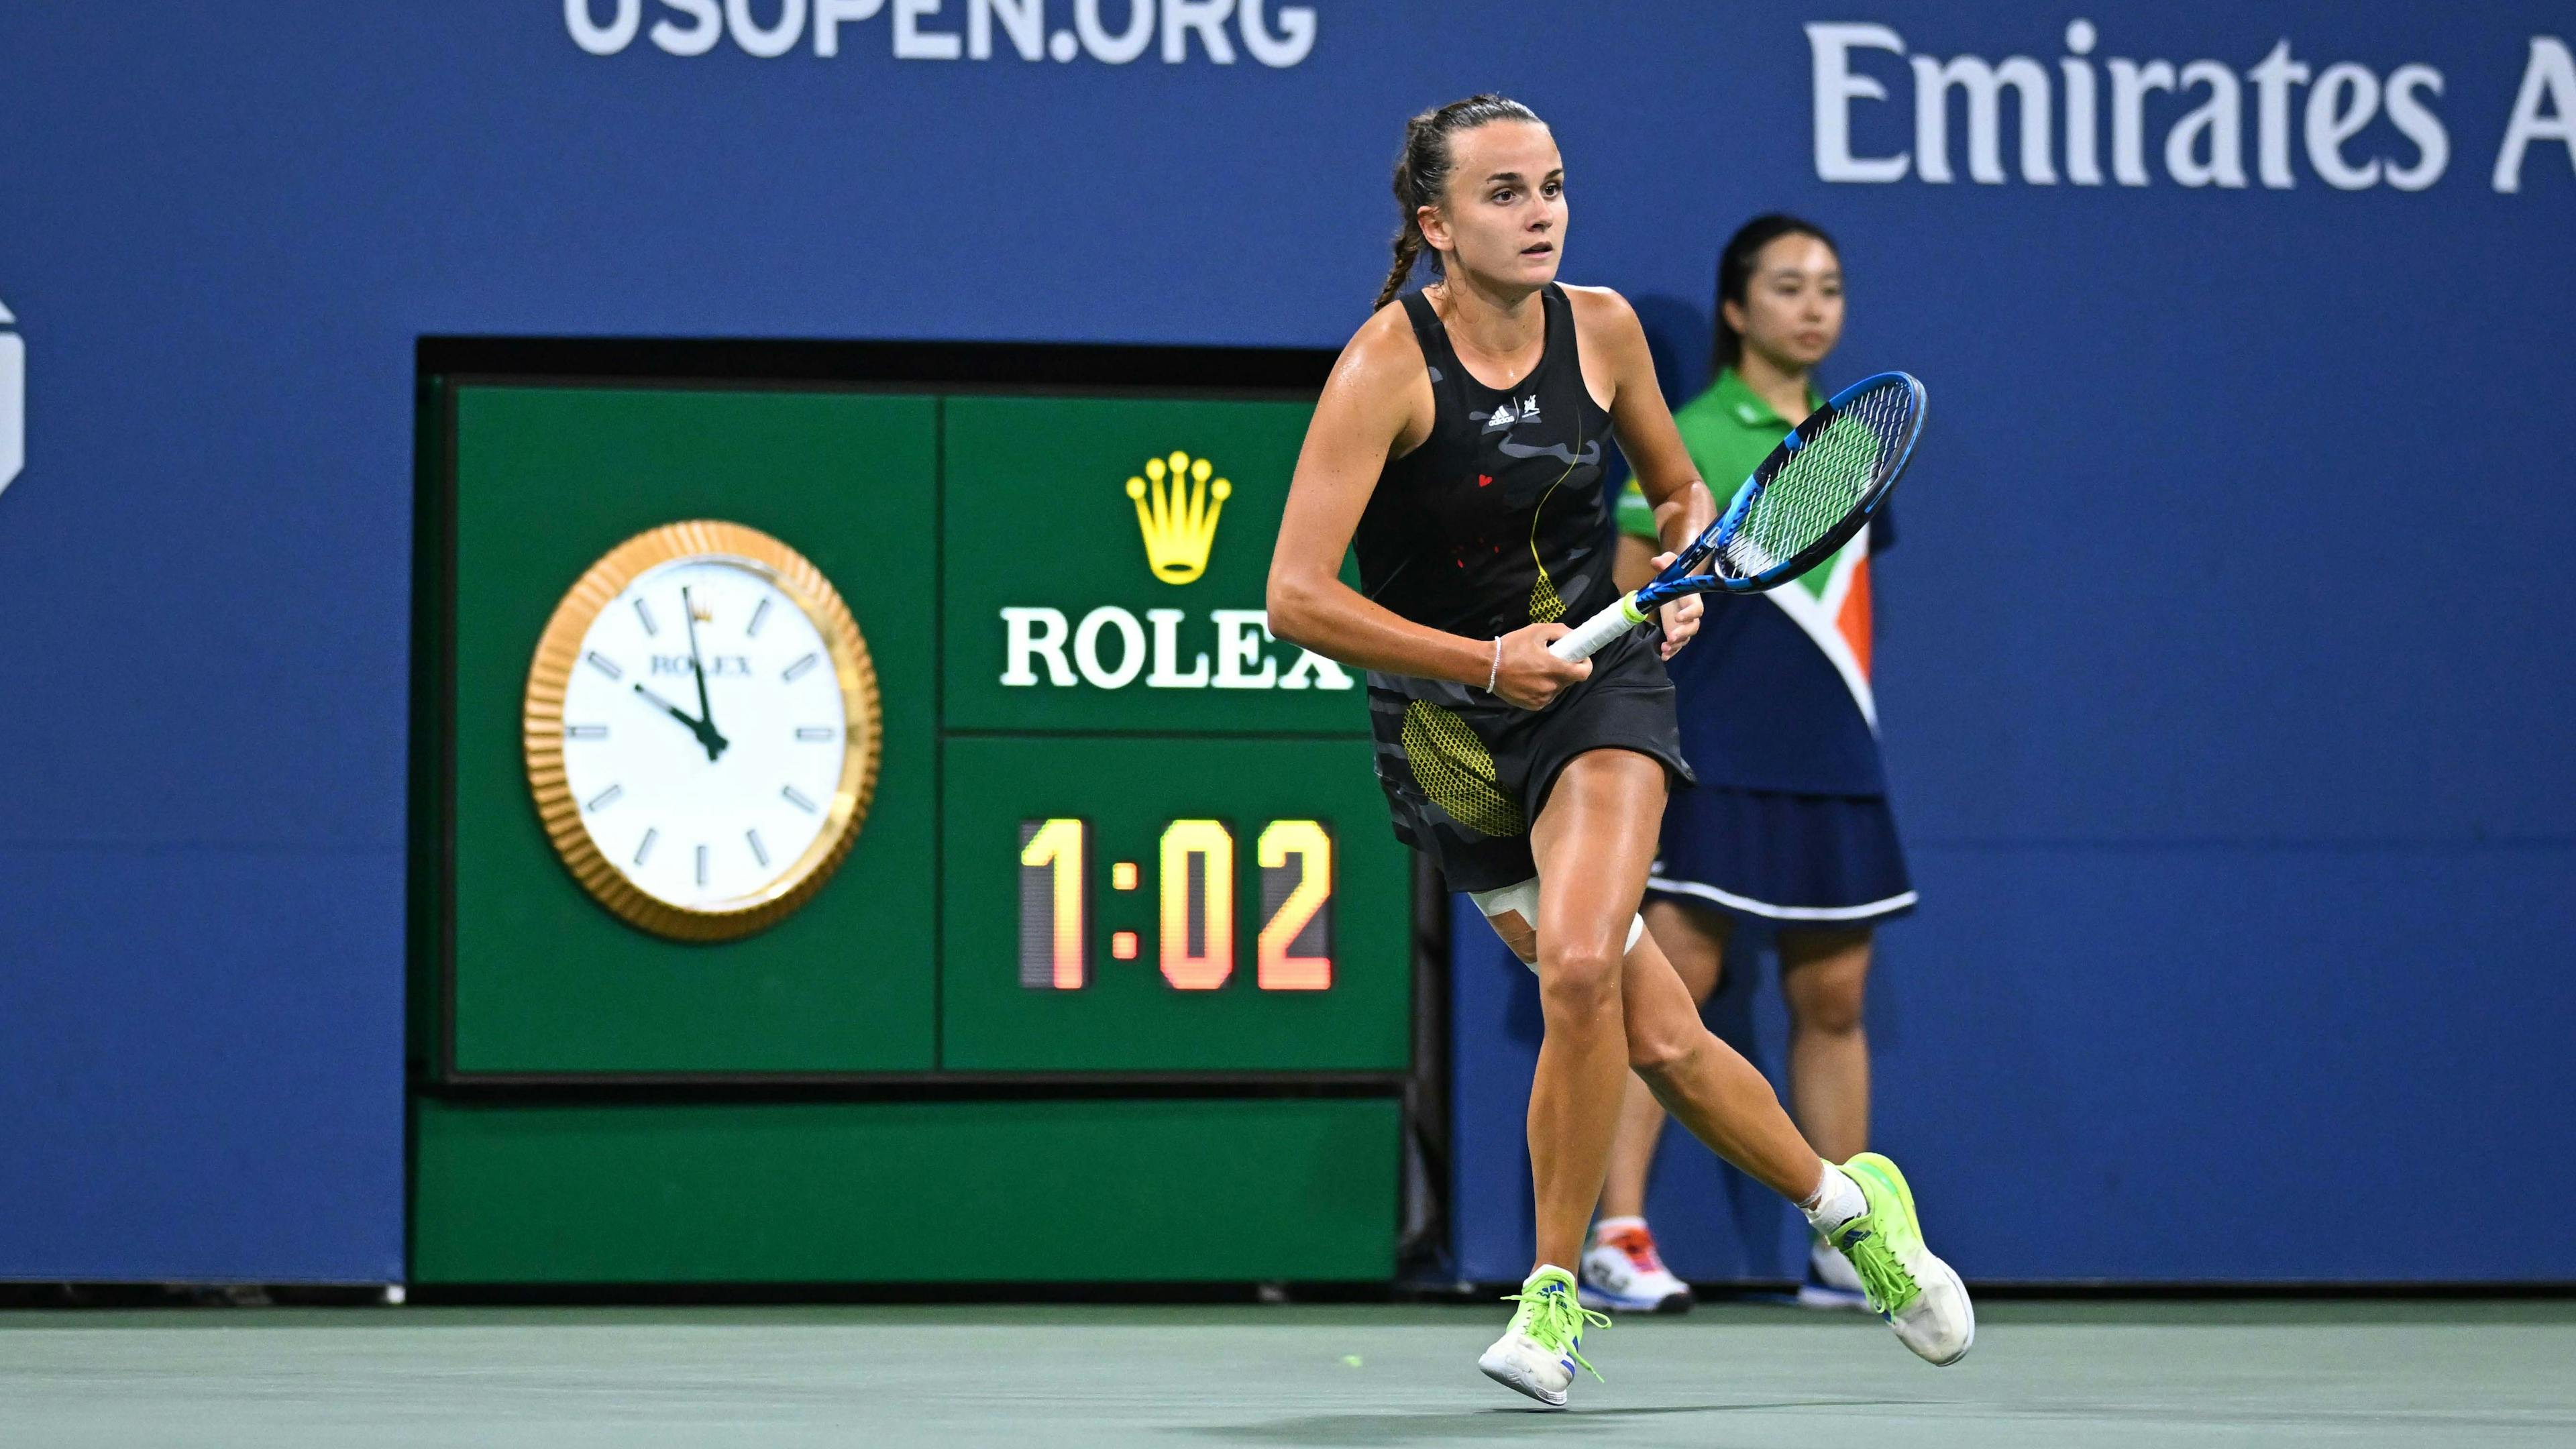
pixel 1457 450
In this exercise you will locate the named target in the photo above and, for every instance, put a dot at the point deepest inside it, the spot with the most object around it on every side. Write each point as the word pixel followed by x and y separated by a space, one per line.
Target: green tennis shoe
pixel 1920 1296
pixel 1539 1352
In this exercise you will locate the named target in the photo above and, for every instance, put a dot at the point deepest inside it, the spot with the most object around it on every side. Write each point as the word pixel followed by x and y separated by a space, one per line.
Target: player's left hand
pixel 1680 618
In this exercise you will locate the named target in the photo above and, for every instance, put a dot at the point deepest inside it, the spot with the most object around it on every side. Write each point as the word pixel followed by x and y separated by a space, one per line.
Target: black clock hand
pixel 696 725
pixel 706 711
pixel 707 736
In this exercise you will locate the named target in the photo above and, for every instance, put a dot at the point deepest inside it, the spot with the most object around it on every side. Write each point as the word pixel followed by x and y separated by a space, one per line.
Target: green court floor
pixel 2339 1373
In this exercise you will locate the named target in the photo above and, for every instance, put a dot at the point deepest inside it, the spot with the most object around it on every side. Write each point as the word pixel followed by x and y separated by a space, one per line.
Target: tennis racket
pixel 1805 501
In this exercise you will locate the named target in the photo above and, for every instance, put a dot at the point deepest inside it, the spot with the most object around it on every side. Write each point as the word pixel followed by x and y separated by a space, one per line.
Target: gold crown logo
pixel 703 613
pixel 1177 510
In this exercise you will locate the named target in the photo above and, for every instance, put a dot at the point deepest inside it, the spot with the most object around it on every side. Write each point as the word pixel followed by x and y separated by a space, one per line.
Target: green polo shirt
pixel 1729 431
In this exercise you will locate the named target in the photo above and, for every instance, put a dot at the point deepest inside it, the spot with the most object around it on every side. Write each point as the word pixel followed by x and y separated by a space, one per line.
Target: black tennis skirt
pixel 1823 861
pixel 1465 773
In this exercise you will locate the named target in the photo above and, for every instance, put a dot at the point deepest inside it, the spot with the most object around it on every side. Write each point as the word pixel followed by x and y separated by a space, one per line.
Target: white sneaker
pixel 1831 1283
pixel 1539 1353
pixel 1920 1296
pixel 1622 1270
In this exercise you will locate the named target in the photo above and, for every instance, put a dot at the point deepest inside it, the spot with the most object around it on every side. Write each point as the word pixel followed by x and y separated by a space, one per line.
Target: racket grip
pixel 1595 633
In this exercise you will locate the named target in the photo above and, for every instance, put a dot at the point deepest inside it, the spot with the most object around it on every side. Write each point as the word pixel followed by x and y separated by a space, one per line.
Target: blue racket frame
pixel 1684 577
pixel 1681 577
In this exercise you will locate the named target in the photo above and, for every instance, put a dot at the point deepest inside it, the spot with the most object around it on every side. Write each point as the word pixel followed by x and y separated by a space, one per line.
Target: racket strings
pixel 1820 484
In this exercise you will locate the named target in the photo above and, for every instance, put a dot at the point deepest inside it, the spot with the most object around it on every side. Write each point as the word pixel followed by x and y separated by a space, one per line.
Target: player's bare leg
pixel 1593 843
pixel 1695 942
pixel 1864 1209
pixel 1708 1086
pixel 1623 1270
pixel 1611 1001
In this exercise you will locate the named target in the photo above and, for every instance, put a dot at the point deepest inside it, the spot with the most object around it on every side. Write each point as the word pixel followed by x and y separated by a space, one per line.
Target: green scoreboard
pixel 1116 974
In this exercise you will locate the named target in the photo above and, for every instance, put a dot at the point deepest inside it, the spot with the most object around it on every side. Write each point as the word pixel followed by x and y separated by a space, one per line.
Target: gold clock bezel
pixel 542 726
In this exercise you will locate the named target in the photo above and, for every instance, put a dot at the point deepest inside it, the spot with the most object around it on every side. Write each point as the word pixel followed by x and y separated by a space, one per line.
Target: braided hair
pixel 1422 174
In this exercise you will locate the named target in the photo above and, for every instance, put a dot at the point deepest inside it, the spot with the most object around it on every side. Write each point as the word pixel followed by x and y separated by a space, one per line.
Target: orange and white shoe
pixel 1623 1272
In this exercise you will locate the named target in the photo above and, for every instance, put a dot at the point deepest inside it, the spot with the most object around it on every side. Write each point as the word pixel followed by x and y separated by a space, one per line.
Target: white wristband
pixel 1494 675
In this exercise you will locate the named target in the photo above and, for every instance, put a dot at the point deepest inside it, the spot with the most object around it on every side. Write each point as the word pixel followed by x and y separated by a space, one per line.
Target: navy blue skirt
pixel 1815 860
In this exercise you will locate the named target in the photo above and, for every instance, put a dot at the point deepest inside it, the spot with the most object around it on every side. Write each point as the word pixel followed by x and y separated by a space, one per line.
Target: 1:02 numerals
pixel 1194 934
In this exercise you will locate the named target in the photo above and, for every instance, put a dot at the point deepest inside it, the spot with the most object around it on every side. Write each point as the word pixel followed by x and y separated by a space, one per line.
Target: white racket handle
pixel 1596 632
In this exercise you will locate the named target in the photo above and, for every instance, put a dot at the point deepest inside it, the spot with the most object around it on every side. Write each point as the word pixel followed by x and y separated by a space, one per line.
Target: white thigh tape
pixel 1523 898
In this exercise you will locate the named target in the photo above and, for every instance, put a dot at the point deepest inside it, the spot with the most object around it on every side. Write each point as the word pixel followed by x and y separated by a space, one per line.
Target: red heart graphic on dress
pixel 1484 478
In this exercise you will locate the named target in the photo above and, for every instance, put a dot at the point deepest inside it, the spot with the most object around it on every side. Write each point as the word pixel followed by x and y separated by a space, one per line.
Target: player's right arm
pixel 1378 404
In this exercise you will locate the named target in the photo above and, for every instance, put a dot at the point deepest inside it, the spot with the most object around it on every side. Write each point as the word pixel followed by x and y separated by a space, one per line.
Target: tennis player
pixel 1788 824
pixel 1457 450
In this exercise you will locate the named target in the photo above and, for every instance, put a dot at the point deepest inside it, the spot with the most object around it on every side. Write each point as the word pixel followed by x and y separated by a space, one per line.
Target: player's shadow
pixel 1478 1423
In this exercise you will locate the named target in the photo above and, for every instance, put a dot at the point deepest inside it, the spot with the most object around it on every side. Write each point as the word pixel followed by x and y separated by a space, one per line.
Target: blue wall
pixel 2242 817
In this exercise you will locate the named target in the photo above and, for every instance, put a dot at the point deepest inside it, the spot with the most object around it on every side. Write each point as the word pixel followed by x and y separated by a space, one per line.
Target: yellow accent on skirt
pixel 1456 771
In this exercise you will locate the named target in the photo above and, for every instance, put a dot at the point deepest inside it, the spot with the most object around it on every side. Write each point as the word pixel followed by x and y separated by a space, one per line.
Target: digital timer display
pixel 1172 905
pixel 1194 925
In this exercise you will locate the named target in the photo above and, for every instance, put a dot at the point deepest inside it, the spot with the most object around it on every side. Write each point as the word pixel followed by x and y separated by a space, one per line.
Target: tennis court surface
pixel 2137 1374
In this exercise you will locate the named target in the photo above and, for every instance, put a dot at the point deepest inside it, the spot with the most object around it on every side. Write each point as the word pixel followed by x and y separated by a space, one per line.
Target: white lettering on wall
pixel 1114 47
pixel 1167 654
pixel 831 15
pixel 2550 77
pixel 928 29
pixel 1296 37
pixel 1983 85
pixel 2208 145
pixel 2196 108
pixel 2416 121
pixel 1131 647
pixel 1022 20
pixel 1240 635
pixel 766 42
pixel 1038 636
pixel 1033 634
pixel 1836 88
pixel 912 42
pixel 608 39
pixel 2083 165
pixel 2342 102
pixel 13 400
pixel 2273 79
pixel 2130 83
pixel 694 40
pixel 1205 19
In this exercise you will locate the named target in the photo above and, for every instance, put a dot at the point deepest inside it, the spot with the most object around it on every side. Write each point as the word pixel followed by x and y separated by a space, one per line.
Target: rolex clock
pixel 701 730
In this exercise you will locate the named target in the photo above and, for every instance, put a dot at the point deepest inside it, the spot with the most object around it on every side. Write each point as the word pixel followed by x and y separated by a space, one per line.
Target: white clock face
pixel 703 733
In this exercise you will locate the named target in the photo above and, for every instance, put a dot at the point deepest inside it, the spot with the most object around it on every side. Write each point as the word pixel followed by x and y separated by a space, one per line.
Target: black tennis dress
pixel 1498 521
